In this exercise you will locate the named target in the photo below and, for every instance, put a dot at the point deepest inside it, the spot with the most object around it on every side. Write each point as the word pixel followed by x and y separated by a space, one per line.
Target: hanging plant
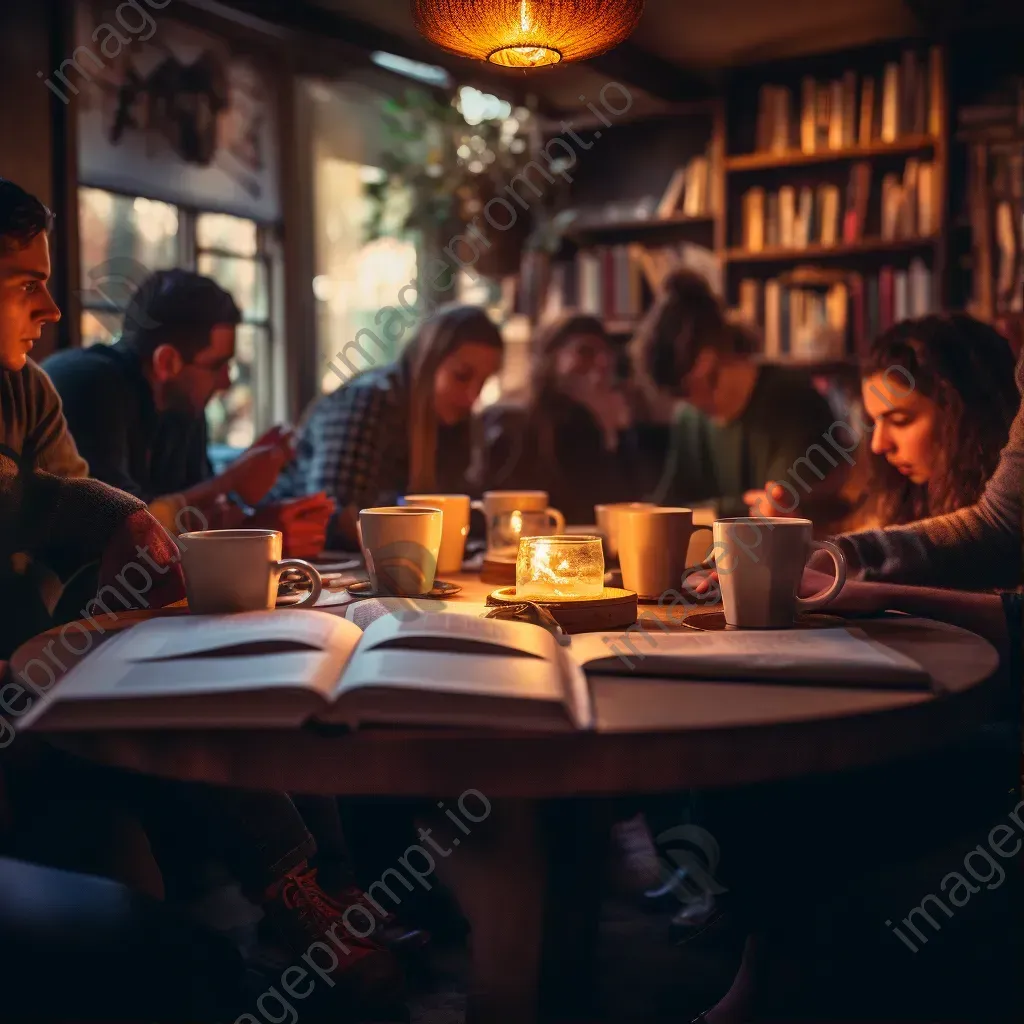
pixel 442 163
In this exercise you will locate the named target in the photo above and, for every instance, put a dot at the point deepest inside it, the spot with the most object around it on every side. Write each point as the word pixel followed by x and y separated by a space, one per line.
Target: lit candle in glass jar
pixel 560 568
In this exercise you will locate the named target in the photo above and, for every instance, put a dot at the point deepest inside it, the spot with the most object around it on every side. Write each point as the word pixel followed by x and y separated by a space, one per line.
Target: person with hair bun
pixel 740 422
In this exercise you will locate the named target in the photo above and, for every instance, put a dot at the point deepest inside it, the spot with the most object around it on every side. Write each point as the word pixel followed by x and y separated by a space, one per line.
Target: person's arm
pixel 49 439
pixel 983 614
pixel 978 546
pixel 339 453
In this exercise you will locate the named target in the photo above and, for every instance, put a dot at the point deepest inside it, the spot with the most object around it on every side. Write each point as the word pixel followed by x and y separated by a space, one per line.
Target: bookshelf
pixel 795 158
pixel 835 214
pixel 842 159
pixel 646 194
pixel 838 251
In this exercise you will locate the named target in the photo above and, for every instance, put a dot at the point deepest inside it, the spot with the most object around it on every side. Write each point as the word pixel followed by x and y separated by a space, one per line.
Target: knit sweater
pixel 973 548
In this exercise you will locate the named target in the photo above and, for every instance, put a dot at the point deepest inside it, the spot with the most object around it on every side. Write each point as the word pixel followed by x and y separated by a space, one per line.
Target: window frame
pixel 188 252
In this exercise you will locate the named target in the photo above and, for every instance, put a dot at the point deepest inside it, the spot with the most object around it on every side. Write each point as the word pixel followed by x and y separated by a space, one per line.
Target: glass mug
pixel 496 502
pixel 506 528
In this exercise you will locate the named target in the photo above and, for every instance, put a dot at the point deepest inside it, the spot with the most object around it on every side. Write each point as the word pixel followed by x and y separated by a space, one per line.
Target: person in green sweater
pixel 741 422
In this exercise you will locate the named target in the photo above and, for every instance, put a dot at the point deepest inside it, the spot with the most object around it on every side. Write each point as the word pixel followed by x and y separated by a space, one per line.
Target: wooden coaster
pixel 715 621
pixel 501 574
pixel 616 609
pixel 441 589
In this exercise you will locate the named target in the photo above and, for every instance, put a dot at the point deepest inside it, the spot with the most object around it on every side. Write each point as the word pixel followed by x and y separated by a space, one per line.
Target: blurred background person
pixel 401 428
pixel 571 433
pixel 738 419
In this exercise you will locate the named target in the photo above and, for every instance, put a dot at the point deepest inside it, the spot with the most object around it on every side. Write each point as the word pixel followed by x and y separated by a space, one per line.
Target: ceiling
pixel 680 49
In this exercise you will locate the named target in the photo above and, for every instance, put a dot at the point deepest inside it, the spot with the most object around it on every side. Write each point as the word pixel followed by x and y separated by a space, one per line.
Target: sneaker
pixel 299 914
pixel 390 932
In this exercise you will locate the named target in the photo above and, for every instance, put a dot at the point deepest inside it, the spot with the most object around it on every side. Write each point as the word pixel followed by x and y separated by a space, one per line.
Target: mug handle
pixel 810 604
pixel 476 505
pixel 315 583
pixel 558 518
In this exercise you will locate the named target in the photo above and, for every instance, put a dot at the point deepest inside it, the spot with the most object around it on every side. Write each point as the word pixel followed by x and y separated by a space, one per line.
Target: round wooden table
pixel 654 735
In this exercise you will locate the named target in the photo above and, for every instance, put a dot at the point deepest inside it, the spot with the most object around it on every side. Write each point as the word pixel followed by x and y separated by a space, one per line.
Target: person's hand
pixel 302 521
pixel 255 471
pixel 856 597
pixel 607 405
pixel 769 502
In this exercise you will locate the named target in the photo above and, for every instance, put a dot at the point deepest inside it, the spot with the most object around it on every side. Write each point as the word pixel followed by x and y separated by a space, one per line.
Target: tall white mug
pixel 760 562
pixel 454 526
pixel 237 570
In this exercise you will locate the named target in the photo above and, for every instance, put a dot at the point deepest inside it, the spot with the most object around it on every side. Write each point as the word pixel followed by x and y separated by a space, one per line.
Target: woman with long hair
pixel 400 428
pixel 570 433
pixel 935 443
pixel 938 398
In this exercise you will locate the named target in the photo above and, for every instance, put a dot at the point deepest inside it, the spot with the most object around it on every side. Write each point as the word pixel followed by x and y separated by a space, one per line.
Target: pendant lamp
pixel 527 33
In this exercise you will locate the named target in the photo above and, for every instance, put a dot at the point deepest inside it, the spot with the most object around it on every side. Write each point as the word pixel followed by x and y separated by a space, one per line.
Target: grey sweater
pixel 974 548
pixel 32 424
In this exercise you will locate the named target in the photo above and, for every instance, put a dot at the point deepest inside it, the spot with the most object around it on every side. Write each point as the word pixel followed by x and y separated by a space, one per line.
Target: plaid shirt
pixel 354 445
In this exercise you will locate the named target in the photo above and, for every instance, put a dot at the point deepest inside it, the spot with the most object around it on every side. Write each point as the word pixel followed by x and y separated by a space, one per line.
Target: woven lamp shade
pixel 527 33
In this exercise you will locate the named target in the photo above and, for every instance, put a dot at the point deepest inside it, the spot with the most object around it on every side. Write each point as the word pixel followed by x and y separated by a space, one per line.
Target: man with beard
pixel 135 410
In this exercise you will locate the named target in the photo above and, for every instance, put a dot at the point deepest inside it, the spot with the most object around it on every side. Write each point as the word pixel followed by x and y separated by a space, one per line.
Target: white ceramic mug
pixel 454 526
pixel 654 544
pixel 608 522
pixel 760 562
pixel 401 545
pixel 238 570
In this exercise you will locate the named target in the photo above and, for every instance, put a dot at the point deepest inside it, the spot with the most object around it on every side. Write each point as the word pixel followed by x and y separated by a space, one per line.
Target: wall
pixel 33 127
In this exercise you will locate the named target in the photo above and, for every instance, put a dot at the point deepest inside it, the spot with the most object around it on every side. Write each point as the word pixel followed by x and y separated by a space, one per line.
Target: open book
pixel 280 669
pixel 843 656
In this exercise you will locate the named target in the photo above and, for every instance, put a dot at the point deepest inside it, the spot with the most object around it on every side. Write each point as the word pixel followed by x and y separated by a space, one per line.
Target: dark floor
pixel 968 971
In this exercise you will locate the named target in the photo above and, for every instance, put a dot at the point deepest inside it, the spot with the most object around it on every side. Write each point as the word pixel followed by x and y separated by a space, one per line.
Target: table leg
pixel 498 875
pixel 577 842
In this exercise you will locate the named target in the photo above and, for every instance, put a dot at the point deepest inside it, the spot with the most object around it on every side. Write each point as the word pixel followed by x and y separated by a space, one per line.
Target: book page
pixel 436 658
pixel 841 655
pixel 220 660
pixel 460 633
pixel 186 635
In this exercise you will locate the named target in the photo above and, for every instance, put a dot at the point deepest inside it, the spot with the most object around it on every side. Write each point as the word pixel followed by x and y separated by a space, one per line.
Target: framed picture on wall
pixel 168 111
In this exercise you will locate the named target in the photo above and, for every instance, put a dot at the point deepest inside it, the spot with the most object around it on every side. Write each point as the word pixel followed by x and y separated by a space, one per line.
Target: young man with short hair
pixel 51 511
pixel 137 412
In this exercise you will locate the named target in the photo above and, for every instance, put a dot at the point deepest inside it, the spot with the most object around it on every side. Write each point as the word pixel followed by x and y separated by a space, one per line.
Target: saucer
pixel 715 621
pixel 441 589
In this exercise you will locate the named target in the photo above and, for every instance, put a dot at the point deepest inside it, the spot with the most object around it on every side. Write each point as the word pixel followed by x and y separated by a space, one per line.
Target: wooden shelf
pixel 866 246
pixel 612 228
pixel 797 158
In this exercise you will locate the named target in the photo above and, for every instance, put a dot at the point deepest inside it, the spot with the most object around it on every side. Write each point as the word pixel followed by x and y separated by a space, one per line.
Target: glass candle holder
pixel 560 568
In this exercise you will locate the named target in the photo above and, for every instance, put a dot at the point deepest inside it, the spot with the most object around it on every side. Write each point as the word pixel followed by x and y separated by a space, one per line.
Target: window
pixel 230 250
pixel 125 238
pixel 356 279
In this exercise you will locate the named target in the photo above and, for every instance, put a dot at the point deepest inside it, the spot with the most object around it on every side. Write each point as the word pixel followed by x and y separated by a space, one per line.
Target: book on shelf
pixel 689 191
pixel 828 315
pixel 851 110
pixel 818 216
pixel 908 203
pixel 605 281
pixel 658 262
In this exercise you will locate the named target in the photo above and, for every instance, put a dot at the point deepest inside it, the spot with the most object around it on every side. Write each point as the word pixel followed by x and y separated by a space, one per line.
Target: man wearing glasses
pixel 136 412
